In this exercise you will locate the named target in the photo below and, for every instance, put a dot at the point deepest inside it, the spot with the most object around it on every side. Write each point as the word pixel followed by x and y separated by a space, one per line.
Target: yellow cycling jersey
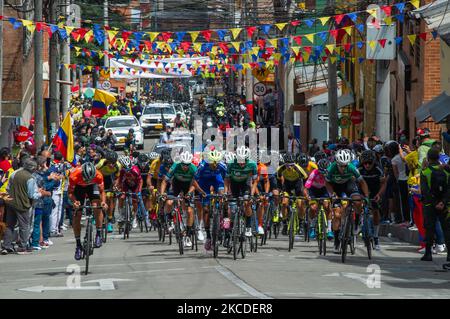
pixel 311 166
pixel 107 170
pixel 291 173
pixel 154 168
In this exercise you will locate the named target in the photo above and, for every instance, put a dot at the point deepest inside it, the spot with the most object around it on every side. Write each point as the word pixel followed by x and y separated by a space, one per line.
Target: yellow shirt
pixel 311 166
pixel 292 173
pixel 154 168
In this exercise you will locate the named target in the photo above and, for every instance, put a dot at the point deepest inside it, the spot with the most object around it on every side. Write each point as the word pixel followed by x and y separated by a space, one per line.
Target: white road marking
pixel 241 284
pixel 103 284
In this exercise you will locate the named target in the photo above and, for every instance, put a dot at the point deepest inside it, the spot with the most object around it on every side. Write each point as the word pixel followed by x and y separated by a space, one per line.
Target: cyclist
pixel 181 175
pixel 340 180
pixel 291 176
pixel 110 169
pixel 376 182
pixel 129 180
pixel 315 187
pixel 144 166
pixel 304 161
pixel 87 182
pixel 210 175
pixel 152 179
pixel 236 181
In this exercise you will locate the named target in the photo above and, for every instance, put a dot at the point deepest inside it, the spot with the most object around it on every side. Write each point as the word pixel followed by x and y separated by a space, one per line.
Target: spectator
pixel 399 169
pixel 43 206
pixel 22 187
pixel 313 147
pixel 57 168
pixel 434 186
pixel 166 138
pixel 293 144
pixel 425 144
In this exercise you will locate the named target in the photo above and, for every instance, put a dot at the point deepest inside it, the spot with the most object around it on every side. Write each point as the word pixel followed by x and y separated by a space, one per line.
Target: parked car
pixel 120 126
pixel 153 114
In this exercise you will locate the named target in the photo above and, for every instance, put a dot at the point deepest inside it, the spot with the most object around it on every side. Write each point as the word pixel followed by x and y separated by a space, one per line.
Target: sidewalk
pixel 400 232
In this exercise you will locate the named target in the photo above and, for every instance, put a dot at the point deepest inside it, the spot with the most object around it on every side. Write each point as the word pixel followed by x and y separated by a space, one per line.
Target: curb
pixel 402 233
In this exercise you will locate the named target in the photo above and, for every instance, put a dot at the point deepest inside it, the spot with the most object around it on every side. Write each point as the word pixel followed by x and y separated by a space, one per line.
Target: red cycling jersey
pixel 131 179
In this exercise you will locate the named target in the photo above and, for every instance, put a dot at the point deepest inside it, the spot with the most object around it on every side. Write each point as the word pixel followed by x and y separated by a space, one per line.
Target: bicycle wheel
pixel 215 234
pixel 236 235
pixel 243 240
pixel 367 239
pixel 125 223
pixel 88 244
pixel 306 225
pixel 178 234
pixel 345 237
pixel 105 228
pixel 324 232
pixel 352 237
pixel 291 227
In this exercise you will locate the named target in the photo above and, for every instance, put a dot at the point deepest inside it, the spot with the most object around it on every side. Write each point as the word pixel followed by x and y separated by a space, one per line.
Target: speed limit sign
pixel 106 85
pixel 259 89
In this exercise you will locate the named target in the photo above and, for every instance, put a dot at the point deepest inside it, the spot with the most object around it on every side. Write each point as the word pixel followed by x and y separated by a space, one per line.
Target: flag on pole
pixel 101 101
pixel 63 140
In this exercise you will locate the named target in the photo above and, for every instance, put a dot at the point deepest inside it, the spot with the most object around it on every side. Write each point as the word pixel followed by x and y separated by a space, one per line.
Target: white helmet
pixel 230 157
pixel 243 152
pixel 214 156
pixel 343 157
pixel 125 161
pixel 186 157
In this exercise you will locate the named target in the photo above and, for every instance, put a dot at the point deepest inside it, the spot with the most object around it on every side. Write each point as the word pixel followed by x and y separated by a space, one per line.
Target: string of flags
pixel 98 33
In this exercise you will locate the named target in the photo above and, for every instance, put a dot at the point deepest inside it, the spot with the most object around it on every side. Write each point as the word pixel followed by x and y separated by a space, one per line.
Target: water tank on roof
pixel 380 32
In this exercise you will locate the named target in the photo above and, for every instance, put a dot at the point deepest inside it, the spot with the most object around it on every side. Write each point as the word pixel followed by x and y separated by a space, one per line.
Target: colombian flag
pixel 63 140
pixel 101 101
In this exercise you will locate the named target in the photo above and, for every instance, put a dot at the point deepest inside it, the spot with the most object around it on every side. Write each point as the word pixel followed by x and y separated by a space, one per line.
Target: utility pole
pixel 65 73
pixel 54 70
pixel 332 90
pixel 38 79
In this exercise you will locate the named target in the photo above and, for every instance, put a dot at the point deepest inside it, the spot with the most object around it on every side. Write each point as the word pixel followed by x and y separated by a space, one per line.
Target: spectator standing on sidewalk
pixel 425 145
pixel 43 206
pixel 434 186
pixel 399 168
pixel 23 189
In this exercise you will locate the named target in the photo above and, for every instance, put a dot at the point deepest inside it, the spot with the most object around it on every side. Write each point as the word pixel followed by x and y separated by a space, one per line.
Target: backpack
pixel 439 183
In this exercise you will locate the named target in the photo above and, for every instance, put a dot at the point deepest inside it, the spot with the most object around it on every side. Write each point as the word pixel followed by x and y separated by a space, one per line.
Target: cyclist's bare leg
pixel 76 223
pixel 98 214
pixel 313 210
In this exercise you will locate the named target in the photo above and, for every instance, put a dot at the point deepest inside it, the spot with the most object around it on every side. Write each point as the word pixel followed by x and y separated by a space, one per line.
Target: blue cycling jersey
pixel 207 177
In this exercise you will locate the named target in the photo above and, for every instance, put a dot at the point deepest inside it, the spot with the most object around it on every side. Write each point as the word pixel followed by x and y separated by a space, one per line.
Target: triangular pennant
pixel 274 42
pixel 347 47
pixel 206 34
pixel 295 23
pixel 360 60
pixel 373 12
pixel 250 31
pixel 112 35
pixel 309 22
pixel 194 35
pixel 387 10
pixel 372 44
pixel 27 23
pixel 360 44
pixel 330 48
pixel 400 17
pixel 435 34
pixel 415 3
pixel 235 32
pixel 310 37
pixel 281 26
pixel 423 36
pixel 180 35
pixel 295 50
pixel 382 42
pixel 400 6
pixel 334 33
pixel 412 38
pixel 388 20
pixel 221 34
pixel 338 18
pixel 348 30
pixel 197 47
pixel 298 40
pixel 360 27
pixel 333 59
pixel 324 20
pixel 266 28
pixel 31 28
pixel 152 35
pixel 353 16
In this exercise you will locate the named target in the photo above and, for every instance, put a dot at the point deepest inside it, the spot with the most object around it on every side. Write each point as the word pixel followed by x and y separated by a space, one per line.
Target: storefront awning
pixel 438 108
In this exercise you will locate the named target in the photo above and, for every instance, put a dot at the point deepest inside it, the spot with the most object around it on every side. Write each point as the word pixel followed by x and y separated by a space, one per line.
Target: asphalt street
pixel 143 267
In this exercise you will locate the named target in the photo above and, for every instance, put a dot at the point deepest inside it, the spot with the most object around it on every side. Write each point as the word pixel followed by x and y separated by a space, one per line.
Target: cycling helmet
pixel 320 155
pixel 153 156
pixel 98 140
pixel 125 161
pixel 88 171
pixel 378 149
pixel 368 157
pixel 111 156
pixel 166 156
pixel 214 156
pixel 289 158
pixel 243 152
pixel 186 157
pixel 229 157
pixel 142 158
pixel 323 165
pixel 303 160
pixel 343 157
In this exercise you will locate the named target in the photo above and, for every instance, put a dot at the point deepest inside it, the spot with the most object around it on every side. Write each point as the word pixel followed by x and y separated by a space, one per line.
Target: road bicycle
pixel 293 219
pixel 88 241
pixel 321 225
pixel 238 238
pixel 216 210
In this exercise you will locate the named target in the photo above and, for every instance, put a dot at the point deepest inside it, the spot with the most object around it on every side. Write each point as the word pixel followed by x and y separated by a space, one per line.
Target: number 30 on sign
pixel 259 89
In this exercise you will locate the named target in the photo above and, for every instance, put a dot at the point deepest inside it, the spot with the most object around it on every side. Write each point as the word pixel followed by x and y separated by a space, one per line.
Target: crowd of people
pixel 408 183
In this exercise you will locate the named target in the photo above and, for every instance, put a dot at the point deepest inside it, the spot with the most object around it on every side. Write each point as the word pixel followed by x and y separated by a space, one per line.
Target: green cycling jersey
pixel 350 174
pixel 178 173
pixel 238 174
